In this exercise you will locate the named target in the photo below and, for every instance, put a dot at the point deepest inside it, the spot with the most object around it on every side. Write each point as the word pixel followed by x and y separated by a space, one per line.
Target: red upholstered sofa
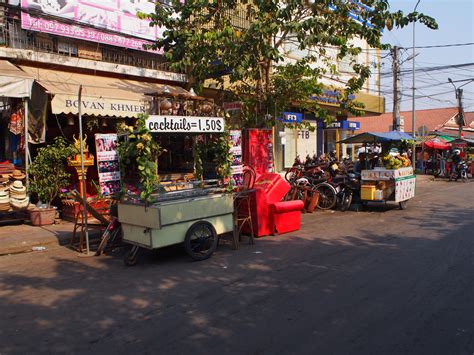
pixel 271 215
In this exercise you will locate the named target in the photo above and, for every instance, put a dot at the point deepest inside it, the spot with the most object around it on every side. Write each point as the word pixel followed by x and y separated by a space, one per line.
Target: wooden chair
pixel 99 221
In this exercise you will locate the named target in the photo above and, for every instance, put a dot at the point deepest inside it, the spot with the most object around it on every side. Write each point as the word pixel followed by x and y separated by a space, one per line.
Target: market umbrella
pixel 437 143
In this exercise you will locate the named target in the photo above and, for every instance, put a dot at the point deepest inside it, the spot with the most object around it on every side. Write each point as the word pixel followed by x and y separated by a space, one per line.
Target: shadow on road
pixel 385 283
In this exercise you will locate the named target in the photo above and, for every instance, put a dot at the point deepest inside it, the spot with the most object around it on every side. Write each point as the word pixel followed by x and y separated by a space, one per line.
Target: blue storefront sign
pixel 292 117
pixel 340 124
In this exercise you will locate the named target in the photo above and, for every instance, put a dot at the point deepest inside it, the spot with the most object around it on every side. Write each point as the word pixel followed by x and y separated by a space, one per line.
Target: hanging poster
pixel 236 151
pixel 107 163
pixel 258 149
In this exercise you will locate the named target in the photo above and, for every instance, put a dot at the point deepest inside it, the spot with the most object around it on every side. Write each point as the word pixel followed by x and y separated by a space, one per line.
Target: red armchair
pixel 286 216
pixel 270 215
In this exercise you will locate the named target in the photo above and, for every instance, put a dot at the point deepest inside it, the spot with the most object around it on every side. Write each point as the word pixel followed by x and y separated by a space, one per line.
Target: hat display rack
pixel 13 194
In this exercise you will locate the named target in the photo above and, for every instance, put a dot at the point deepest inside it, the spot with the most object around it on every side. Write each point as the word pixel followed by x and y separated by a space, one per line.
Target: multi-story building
pixel 63 44
pixel 60 44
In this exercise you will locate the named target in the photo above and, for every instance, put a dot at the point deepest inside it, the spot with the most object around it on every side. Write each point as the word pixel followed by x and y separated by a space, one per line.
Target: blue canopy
pixel 377 137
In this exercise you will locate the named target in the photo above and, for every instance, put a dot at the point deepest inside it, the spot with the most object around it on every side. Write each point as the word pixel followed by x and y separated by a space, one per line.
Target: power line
pixel 435 68
pixel 444 45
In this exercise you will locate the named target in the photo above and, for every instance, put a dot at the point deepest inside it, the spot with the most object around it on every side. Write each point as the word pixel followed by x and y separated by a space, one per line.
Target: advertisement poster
pixel 258 150
pixel 112 15
pixel 236 151
pixel 405 188
pixel 107 163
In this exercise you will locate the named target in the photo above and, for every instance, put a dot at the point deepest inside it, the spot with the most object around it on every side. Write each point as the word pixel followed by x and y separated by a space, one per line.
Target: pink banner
pixel 114 15
pixel 79 32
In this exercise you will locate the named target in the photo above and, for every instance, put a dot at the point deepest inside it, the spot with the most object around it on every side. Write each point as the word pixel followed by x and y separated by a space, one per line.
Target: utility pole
pixel 396 87
pixel 460 115
pixel 460 118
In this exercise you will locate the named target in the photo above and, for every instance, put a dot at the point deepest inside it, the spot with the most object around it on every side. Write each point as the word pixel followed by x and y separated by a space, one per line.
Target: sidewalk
pixel 21 238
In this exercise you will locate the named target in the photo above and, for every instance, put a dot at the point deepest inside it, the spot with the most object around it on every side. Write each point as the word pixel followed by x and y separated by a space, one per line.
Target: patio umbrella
pixel 437 143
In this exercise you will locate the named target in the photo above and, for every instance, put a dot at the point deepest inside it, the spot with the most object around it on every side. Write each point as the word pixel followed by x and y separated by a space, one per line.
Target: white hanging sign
pixel 185 124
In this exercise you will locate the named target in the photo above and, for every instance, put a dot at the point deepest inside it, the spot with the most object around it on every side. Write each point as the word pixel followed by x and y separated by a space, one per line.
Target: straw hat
pixel 18 175
pixel 4 207
pixel 17 186
pixel 4 194
pixel 4 178
pixel 4 199
pixel 19 203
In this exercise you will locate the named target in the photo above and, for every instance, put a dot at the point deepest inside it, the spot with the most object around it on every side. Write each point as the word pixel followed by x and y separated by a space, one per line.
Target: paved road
pixel 379 282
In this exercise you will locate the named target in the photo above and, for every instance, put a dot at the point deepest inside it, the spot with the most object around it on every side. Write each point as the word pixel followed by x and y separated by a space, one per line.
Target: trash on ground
pixel 38 248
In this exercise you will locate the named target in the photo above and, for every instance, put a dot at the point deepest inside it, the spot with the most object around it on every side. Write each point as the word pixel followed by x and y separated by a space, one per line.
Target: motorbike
pixel 460 173
pixel 346 189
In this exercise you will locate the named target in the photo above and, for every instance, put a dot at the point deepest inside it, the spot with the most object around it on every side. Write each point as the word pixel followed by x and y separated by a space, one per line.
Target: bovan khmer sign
pixel 98 106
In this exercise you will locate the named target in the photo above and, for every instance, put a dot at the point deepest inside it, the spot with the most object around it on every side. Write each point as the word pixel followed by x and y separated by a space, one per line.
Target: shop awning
pixel 377 137
pixel 101 96
pixel 13 81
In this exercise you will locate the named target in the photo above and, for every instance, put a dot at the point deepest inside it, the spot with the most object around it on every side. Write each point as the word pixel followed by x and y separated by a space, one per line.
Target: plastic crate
pixel 367 192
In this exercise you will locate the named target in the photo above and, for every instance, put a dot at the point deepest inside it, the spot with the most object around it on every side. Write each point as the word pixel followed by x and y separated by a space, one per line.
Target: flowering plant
pixel 139 153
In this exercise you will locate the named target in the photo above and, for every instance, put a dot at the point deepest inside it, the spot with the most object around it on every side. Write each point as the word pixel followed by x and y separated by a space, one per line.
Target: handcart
pixel 193 216
pixel 383 185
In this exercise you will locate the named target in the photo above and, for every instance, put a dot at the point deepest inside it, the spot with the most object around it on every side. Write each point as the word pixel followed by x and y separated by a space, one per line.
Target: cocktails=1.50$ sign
pixel 185 124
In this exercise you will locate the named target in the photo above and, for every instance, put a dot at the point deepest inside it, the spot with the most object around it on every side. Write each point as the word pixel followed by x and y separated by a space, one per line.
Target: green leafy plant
pixel 243 46
pixel 48 170
pixel 97 189
pixel 222 156
pixel 215 149
pixel 139 153
pixel 199 155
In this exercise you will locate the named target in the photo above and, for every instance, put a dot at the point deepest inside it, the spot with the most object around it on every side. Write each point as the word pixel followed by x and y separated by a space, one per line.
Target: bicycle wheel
pixel 346 201
pixel 327 196
pixel 111 232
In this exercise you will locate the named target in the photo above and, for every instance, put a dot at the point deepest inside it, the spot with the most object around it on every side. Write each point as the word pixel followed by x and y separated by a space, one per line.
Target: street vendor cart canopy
pixel 377 137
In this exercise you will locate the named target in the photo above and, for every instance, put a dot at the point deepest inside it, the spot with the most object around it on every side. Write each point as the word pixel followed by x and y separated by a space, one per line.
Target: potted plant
pixel 48 177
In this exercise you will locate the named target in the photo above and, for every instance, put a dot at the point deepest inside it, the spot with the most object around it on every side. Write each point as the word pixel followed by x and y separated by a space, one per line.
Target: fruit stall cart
pixel 382 185
pixel 396 181
pixel 194 216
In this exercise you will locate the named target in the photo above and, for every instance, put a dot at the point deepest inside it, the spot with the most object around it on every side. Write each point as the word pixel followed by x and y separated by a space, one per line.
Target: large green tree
pixel 242 43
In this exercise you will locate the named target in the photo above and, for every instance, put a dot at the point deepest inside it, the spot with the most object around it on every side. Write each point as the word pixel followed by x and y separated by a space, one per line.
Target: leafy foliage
pixel 215 148
pixel 245 42
pixel 48 170
pixel 139 153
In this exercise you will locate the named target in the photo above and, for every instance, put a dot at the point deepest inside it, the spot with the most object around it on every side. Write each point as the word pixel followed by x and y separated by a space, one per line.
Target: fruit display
pixel 392 162
pixel 405 161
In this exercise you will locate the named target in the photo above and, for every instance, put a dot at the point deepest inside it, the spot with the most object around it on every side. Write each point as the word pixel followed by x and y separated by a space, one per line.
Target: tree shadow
pixel 353 284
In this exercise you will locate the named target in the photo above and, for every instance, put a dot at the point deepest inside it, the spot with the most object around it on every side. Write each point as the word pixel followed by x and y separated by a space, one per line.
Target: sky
pixel 456 25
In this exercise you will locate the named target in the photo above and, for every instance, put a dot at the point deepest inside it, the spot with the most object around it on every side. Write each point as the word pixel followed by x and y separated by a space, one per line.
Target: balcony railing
pixel 13 36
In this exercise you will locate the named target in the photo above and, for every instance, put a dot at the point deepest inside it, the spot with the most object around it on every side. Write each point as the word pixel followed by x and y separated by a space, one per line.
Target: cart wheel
pixel 131 258
pixel 403 204
pixel 201 240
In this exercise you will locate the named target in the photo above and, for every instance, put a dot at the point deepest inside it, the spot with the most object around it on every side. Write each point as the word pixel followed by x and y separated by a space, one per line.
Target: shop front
pixel 105 102
pixel 329 134
pixel 311 136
